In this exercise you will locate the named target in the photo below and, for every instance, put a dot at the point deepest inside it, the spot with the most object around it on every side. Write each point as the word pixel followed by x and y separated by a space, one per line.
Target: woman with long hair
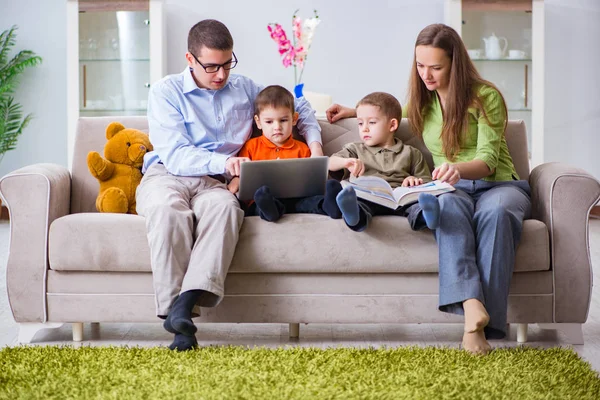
pixel 462 120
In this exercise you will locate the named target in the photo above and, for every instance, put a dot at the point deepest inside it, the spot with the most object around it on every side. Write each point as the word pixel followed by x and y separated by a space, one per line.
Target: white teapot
pixel 493 50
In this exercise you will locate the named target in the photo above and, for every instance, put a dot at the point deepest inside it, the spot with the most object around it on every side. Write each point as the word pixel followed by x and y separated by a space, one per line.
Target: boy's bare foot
pixel 476 317
pixel 475 343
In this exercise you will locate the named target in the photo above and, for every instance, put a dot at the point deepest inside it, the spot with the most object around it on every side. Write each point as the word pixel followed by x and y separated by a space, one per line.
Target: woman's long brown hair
pixel 462 90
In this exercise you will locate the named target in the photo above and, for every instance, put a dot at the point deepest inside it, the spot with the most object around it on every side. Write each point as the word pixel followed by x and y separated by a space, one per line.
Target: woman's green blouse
pixel 484 139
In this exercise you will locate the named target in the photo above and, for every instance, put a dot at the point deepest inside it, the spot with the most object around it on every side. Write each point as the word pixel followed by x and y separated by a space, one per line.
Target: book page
pixel 374 185
pixel 374 189
pixel 375 198
pixel 434 186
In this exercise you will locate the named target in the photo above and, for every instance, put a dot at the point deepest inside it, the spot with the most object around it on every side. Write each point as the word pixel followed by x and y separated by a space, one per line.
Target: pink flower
pixel 294 54
pixel 288 58
pixel 299 57
pixel 279 36
pixel 297 27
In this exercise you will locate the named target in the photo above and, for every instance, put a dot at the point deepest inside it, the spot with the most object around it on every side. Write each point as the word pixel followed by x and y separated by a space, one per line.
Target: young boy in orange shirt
pixel 276 117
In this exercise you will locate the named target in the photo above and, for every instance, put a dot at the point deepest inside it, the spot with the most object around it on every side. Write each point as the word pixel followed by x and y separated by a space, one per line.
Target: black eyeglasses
pixel 212 68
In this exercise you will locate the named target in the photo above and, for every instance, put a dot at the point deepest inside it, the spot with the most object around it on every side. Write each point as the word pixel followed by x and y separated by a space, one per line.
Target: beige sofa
pixel 70 264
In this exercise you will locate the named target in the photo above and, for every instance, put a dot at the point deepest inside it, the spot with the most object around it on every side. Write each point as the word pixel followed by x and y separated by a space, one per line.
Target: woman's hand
pixel 355 166
pixel 337 112
pixel 412 181
pixel 446 173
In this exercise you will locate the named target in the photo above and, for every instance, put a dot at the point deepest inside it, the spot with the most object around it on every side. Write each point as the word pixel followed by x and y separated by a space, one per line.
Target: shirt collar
pixel 189 84
pixel 287 145
pixel 396 147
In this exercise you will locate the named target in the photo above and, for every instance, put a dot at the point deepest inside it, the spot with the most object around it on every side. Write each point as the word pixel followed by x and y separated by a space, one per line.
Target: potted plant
pixel 12 121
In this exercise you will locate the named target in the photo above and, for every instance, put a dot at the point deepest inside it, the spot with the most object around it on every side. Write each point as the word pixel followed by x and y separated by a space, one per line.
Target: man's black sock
pixel 183 342
pixel 179 319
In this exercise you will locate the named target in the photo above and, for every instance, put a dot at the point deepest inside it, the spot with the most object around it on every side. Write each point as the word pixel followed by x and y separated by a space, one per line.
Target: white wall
pixel 43 89
pixel 364 48
pixel 572 87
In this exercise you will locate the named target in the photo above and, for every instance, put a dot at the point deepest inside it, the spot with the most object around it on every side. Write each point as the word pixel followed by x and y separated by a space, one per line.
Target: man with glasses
pixel 198 120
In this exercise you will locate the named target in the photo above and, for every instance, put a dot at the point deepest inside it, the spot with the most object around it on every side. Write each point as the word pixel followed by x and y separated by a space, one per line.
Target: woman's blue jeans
pixel 480 228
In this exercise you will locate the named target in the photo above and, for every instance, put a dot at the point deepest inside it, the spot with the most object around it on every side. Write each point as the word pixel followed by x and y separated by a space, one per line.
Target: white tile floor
pixel 319 335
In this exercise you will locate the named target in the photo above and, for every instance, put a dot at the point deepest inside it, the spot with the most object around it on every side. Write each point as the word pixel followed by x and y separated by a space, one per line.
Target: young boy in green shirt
pixel 379 154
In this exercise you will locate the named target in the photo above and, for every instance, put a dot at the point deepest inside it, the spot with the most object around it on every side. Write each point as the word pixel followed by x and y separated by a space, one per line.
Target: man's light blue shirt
pixel 194 131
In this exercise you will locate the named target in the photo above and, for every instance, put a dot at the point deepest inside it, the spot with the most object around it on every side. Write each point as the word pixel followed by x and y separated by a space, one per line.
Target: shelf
pixel 519 110
pixel 502 59
pixel 112 109
pixel 496 5
pixel 113 60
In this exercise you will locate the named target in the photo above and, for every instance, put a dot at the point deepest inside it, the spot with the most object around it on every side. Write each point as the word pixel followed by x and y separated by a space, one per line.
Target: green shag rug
pixel 293 373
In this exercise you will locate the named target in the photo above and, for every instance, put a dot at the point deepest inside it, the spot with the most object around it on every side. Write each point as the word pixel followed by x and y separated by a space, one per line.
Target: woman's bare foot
pixel 476 317
pixel 475 343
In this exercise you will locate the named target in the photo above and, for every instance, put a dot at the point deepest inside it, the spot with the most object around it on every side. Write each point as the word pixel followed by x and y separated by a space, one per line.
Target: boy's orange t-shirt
pixel 260 148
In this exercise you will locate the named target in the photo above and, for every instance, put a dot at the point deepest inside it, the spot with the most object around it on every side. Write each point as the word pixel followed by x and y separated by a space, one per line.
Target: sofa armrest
pixel 35 196
pixel 562 197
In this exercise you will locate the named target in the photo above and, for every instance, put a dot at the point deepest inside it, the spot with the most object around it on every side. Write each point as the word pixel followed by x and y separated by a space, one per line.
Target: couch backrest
pixel 91 137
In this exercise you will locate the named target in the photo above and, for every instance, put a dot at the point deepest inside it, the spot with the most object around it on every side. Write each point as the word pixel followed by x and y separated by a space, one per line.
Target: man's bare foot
pixel 476 317
pixel 475 343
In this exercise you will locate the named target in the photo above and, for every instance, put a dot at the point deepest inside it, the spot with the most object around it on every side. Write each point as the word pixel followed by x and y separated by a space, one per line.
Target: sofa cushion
pixel 99 242
pixel 117 242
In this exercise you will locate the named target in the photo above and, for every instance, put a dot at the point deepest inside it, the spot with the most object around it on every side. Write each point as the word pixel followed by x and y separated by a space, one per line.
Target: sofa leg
pixel 77 331
pixel 573 332
pixel 95 330
pixel 294 331
pixel 27 330
pixel 521 333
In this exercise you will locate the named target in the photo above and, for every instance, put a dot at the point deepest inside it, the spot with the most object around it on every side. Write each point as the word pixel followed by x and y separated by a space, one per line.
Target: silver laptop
pixel 288 178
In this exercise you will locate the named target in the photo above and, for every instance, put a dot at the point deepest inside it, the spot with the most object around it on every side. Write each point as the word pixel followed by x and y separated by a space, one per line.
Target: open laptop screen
pixel 287 178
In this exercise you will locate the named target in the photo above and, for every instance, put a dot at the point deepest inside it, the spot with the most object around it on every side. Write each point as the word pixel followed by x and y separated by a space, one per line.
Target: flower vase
pixel 298 90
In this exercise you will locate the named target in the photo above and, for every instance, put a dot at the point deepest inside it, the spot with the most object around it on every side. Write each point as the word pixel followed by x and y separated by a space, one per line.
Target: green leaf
pixel 7 41
pixel 12 122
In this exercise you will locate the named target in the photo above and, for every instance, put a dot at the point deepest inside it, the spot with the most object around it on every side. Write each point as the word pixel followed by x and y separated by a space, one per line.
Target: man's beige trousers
pixel 193 226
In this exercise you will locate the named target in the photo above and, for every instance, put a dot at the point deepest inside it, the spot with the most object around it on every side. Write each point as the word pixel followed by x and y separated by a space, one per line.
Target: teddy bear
pixel 119 171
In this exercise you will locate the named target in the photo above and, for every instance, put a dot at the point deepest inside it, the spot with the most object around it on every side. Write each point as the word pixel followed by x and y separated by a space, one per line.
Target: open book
pixel 378 191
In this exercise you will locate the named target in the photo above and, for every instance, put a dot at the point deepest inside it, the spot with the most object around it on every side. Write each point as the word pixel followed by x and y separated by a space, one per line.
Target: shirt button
pixel 218 118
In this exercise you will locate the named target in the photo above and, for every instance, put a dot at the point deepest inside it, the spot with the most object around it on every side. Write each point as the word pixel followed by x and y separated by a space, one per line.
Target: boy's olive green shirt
pixel 483 141
pixel 393 164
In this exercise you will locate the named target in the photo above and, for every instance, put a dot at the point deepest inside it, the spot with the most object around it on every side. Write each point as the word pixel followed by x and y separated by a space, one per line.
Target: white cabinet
pixel 115 51
pixel 114 62
pixel 505 41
